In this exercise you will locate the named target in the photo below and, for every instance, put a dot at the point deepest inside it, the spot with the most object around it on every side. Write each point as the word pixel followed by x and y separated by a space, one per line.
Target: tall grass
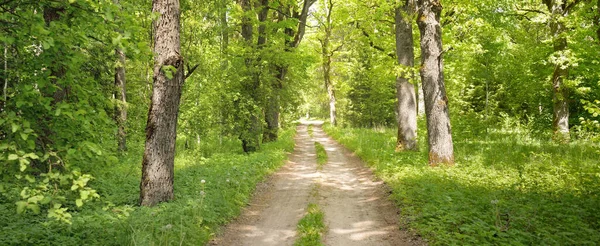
pixel 508 187
pixel 198 210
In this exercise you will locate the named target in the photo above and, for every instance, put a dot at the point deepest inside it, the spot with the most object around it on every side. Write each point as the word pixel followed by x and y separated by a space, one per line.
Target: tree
pixel 293 39
pixel 441 150
pixel 326 55
pixel 121 97
pixel 405 90
pixel 248 111
pixel 161 128
pixel 558 10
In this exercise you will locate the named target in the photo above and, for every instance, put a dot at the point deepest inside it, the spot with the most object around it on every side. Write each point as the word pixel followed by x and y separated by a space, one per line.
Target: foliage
pixel 209 191
pixel 311 227
pixel 507 187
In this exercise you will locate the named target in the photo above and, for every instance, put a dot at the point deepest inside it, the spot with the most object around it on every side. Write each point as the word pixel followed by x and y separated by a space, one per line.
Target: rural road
pixel 355 204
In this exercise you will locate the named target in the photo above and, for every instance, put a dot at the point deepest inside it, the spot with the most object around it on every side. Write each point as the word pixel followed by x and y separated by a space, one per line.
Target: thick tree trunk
pixel 405 91
pixel 272 106
pixel 161 129
pixel 560 122
pixel 248 116
pixel 441 150
pixel 121 97
pixel 272 103
pixel 57 70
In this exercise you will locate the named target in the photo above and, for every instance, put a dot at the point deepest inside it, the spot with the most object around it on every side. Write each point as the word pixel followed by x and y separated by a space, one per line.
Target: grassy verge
pixel 321 155
pixel 192 218
pixel 311 227
pixel 506 189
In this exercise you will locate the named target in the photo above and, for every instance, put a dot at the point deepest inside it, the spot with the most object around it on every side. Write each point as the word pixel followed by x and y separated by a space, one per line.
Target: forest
pixel 151 122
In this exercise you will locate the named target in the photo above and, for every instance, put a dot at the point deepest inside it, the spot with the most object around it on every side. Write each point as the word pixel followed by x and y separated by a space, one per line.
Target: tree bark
pixel 272 100
pixel 5 73
pixel 248 115
pixel 57 71
pixel 441 150
pixel 326 54
pixel 598 20
pixel 560 121
pixel 121 97
pixel 161 129
pixel 405 90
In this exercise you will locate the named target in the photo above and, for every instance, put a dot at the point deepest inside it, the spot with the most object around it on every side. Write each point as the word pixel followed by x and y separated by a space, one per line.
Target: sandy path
pixel 356 209
pixel 279 203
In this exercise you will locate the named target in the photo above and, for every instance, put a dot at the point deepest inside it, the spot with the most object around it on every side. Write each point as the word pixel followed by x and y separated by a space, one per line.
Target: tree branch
pixel 372 44
pixel 190 71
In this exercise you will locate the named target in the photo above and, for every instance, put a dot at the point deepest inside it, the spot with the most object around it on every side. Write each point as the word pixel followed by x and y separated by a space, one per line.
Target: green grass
pixel 508 188
pixel 311 227
pixel 192 218
pixel 310 130
pixel 321 155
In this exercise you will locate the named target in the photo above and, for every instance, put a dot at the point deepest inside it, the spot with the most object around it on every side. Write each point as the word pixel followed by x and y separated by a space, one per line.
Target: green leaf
pixel 79 202
pixel 21 206
pixel 24 136
pixel 84 194
pixel 15 127
pixel 12 157
pixel 31 156
pixel 29 178
pixel 23 164
pixel 35 208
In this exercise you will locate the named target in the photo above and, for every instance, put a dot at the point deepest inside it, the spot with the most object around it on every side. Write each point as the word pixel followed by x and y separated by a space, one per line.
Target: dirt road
pixel 357 211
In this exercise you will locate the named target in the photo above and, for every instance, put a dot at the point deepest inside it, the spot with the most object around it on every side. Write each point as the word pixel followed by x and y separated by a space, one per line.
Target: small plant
pixel 311 227
pixel 321 155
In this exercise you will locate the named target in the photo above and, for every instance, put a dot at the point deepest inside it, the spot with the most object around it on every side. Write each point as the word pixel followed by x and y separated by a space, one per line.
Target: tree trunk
pixel 326 54
pixel 405 90
pixel 272 102
pixel 248 114
pixel 161 129
pixel 272 117
pixel 441 150
pixel 561 104
pixel 57 71
pixel 121 97
pixel 560 121
pixel 5 73
pixel 330 90
pixel 598 20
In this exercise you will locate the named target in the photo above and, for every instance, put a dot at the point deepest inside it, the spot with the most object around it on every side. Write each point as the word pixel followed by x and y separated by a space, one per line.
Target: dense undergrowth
pixel 210 189
pixel 507 188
